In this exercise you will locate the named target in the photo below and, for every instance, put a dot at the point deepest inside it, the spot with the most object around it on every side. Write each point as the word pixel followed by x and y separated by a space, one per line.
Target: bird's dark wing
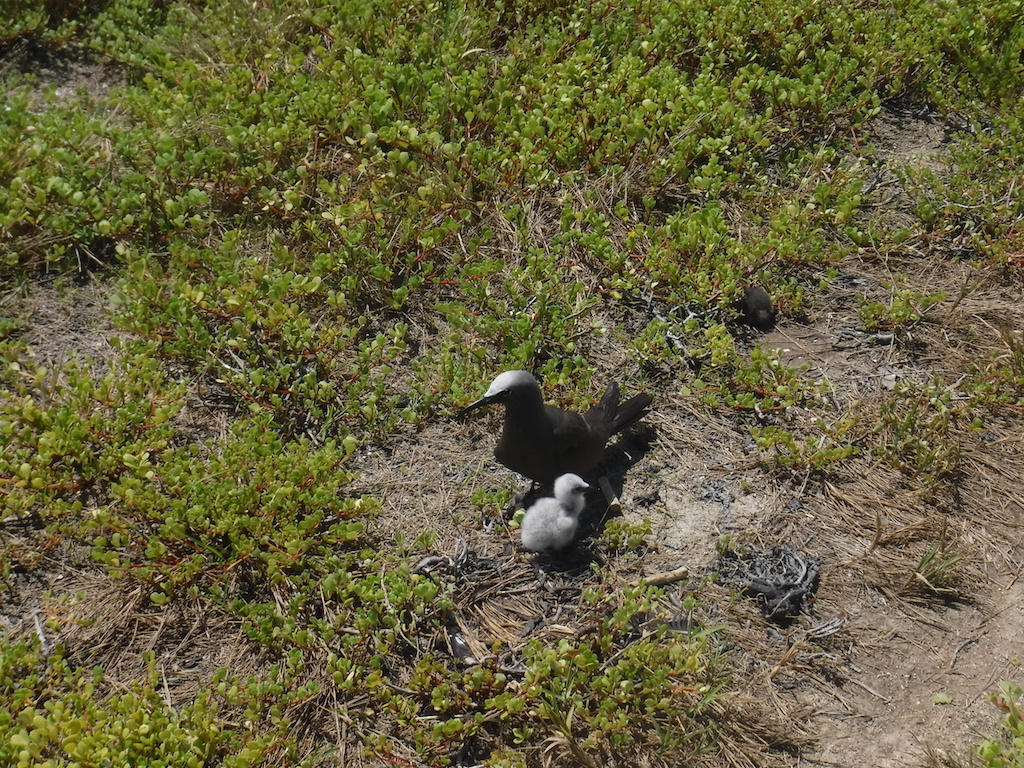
pixel 631 411
pixel 602 416
pixel 569 429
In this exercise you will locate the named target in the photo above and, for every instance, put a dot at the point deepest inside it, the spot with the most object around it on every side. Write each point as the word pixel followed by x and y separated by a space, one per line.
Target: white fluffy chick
pixel 551 522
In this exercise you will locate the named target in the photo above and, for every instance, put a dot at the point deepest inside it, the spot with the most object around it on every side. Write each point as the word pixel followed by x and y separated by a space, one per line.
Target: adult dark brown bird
pixel 542 442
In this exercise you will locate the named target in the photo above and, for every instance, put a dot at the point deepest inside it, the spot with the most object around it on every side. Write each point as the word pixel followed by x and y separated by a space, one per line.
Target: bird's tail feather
pixel 609 400
pixel 631 410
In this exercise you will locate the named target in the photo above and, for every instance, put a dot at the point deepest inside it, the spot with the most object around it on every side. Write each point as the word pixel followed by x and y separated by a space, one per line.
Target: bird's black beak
pixel 474 405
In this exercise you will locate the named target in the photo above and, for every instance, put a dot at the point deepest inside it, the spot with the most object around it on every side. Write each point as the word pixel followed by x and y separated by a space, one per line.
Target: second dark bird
pixel 542 442
pixel 756 308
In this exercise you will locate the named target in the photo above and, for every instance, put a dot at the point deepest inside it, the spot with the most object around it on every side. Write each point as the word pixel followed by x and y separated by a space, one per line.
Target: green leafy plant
pixel 1006 751
pixel 1000 379
pixel 262 506
pixel 906 309
pixel 84 429
pixel 831 443
pixel 56 713
pixel 917 430
pixel 621 536
pixel 602 698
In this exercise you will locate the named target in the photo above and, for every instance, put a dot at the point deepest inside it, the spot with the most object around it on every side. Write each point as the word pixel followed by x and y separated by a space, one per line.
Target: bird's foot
pixel 614 506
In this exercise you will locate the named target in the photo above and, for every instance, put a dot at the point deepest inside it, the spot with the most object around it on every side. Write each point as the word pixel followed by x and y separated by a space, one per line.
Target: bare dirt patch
pixel 68 70
pixel 63 320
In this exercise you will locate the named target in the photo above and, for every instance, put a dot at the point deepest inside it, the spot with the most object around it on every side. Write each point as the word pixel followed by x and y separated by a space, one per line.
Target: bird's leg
pixel 609 495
